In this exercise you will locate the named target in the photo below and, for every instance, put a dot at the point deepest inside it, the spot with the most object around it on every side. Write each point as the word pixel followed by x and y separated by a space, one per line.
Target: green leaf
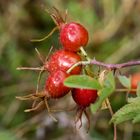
pixel 132 99
pixel 128 112
pixel 109 81
pixel 82 81
pixel 125 117
pixel 6 135
pixel 125 81
pixel 105 92
pixel 136 119
pixel 138 89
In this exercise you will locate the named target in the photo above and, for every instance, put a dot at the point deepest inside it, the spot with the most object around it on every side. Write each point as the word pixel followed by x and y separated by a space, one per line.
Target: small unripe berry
pixel 54 84
pixel 63 60
pixel 84 97
pixel 73 36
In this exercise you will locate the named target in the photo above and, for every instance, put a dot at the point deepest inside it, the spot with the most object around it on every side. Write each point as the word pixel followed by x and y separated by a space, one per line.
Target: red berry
pixel 73 36
pixel 54 84
pixel 63 60
pixel 135 78
pixel 84 97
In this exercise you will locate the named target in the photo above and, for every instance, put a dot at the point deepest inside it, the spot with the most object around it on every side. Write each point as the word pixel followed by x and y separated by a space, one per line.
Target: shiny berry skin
pixel 63 60
pixel 84 97
pixel 135 78
pixel 54 84
pixel 73 36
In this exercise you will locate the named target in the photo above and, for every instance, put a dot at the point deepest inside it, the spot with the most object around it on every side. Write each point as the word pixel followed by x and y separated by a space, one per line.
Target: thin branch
pixel 111 113
pixel 115 66
pixel 105 65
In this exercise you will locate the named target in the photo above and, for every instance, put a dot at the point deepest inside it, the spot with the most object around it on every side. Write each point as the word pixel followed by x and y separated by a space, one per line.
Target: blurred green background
pixel 114 29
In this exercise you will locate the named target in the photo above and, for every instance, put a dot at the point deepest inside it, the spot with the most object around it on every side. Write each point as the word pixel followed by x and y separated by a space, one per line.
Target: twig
pixel 111 113
pixel 115 66
pixel 105 65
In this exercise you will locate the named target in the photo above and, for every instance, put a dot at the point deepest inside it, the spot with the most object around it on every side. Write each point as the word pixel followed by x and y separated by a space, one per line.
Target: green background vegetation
pixel 114 30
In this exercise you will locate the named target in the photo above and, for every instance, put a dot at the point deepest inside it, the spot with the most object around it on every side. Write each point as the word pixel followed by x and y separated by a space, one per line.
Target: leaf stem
pixel 77 64
pixel 84 53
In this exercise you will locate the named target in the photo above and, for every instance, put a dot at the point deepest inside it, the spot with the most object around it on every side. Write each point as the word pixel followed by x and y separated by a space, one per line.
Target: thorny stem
pixel 107 66
pixel 115 66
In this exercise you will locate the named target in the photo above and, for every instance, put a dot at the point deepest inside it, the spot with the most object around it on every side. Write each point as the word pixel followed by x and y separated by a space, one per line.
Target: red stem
pixel 115 66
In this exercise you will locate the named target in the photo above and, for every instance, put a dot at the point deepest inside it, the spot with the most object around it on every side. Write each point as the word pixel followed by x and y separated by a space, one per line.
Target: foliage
pixel 130 111
pixel 5 135
pixel 107 89
pixel 82 81
pixel 125 81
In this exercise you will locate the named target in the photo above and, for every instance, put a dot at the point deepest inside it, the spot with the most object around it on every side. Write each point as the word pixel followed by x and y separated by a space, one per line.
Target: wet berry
pixel 73 36
pixel 63 60
pixel 54 84
pixel 84 97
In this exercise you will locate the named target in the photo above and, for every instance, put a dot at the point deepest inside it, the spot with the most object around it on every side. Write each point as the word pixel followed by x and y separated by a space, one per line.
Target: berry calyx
pixel 84 97
pixel 54 84
pixel 63 60
pixel 135 79
pixel 73 36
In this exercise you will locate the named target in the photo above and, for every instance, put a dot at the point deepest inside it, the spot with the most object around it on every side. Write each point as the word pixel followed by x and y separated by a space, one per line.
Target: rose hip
pixel 84 97
pixel 63 60
pixel 54 84
pixel 73 36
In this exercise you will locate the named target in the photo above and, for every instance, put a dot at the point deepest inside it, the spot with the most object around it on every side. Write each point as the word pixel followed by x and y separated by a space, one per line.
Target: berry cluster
pixel 72 36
